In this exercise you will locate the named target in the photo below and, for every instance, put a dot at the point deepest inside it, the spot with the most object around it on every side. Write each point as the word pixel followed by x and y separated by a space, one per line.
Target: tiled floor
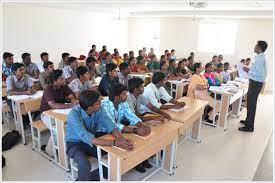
pixel 223 155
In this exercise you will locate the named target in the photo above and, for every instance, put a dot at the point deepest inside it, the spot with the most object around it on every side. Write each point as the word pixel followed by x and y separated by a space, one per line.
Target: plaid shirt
pixel 6 70
pixel 123 112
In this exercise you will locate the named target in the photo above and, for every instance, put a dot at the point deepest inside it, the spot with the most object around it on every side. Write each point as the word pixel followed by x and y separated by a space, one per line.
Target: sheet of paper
pixel 178 110
pixel 38 94
pixel 62 111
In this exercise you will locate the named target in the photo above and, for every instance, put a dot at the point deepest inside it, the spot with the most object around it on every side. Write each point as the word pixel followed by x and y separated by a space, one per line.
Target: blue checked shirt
pixel 258 71
pixel 124 112
pixel 6 70
pixel 82 128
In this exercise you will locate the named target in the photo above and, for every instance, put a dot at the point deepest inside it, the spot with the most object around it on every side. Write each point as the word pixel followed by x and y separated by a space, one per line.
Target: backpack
pixel 3 161
pixel 10 139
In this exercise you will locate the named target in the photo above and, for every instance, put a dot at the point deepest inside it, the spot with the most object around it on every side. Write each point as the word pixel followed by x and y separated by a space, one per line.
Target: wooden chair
pixel 37 127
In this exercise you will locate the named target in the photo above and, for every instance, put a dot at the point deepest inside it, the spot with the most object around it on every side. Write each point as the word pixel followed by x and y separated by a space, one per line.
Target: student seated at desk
pixel 151 52
pixel 157 95
pixel 218 73
pixel 102 53
pixel 181 71
pixel 109 78
pixel 141 65
pixel 82 128
pixel 31 68
pixel 7 65
pixel 126 57
pixel 197 88
pixel 172 67
pixel 214 61
pixel 20 83
pixel 191 64
pixel 117 59
pixel 44 58
pixel 225 73
pixel 210 76
pixel 144 54
pixel 82 82
pixel 102 66
pixel 162 58
pixel 133 64
pixel 69 69
pixel 140 55
pixel 124 74
pixel 93 70
pixel 44 78
pixel 173 56
pixel 64 60
pixel 131 54
pixel 56 96
pixel 164 69
pixel 153 64
pixel 137 101
pixel 118 109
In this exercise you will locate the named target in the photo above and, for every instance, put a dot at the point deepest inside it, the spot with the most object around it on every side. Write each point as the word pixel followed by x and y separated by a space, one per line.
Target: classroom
pixel 137 90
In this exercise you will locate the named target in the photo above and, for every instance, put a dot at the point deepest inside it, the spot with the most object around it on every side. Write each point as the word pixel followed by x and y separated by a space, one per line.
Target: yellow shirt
pixel 117 61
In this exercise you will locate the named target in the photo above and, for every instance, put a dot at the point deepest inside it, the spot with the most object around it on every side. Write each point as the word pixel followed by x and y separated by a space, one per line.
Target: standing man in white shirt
pixel 257 76
pixel 44 58
pixel 157 95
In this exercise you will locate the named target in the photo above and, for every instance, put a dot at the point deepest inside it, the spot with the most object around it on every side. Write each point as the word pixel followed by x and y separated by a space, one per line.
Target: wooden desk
pixel 146 77
pixel 179 86
pixel 164 136
pixel 58 130
pixel 19 109
pixel 191 116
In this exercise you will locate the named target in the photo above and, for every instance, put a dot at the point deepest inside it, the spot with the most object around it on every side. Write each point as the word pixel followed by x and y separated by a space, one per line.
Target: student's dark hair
pixel 131 52
pixel 16 66
pixel 139 51
pixel 43 54
pixel 191 53
pixel 214 56
pixel 190 57
pixel 55 75
pixel 46 64
pixel 24 55
pixel 72 59
pixel 65 55
pixel 81 70
pixel 157 77
pixel 182 61
pixel 219 65
pixel 7 55
pixel 166 51
pixel 91 51
pixel 263 45
pixel 162 57
pixel 87 98
pixel 104 47
pixel 130 59
pixel 248 59
pixel 242 60
pixel 116 90
pixel 110 67
pixel 172 50
pixel 123 66
pixel 171 61
pixel 134 83
pixel 226 64
pixel 220 55
pixel 90 60
pixel 107 54
pixel 197 65
pixel 162 63
pixel 125 54
pixel 208 65
pixel 93 45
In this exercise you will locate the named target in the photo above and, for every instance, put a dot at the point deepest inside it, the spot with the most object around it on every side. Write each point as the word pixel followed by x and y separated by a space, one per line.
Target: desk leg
pixel 170 157
pixel 114 172
pixel 236 107
pixel 20 122
pixel 61 145
pixel 224 111
pixel 195 136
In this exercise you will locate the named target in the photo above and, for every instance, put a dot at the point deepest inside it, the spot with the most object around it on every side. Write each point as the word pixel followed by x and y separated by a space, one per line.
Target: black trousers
pixel 79 152
pixel 252 97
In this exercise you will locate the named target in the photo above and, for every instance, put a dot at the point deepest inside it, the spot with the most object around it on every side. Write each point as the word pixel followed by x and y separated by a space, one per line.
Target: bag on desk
pixel 10 139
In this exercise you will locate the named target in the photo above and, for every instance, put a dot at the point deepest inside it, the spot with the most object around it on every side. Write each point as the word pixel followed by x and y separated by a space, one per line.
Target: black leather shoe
pixel 146 164
pixel 43 148
pixel 246 129
pixel 140 168
pixel 243 122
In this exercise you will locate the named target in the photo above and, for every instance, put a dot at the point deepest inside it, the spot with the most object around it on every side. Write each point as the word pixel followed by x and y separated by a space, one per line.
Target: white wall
pixel 35 29
pixel 182 35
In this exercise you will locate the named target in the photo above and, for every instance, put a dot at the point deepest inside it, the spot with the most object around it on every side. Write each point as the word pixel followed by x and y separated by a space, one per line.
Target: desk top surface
pixel 60 117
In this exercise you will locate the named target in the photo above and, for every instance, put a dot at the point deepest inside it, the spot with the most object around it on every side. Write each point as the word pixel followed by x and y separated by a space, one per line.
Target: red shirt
pixel 134 68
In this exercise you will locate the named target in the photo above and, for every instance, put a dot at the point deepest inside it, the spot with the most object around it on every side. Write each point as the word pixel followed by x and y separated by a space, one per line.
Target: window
pixel 217 37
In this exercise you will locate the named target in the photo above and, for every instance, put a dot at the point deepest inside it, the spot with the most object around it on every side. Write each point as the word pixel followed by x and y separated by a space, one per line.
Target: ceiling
pixel 166 8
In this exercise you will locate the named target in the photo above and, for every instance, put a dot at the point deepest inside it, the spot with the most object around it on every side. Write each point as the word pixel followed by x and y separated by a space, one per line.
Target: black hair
pixel 171 61
pixel 7 55
pixel 248 59
pixel 219 65
pixel 226 64
pixel 208 65
pixel 93 45
pixel 182 61
pixel 191 53
pixel 46 64
pixel 108 53
pixel 190 57
pixel 134 83
pixel 214 56
pixel 55 75
pixel 110 67
pixel 43 54
pixel 131 52
pixel 157 77
pixel 162 64
pixel 72 59
pixel 87 98
pixel 65 55
pixel 24 55
pixel 172 50
pixel 263 45
pixel 162 56
pixel 81 70
pixel 166 51
pixel 220 55
pixel 115 50
pixel 16 66
pixel 130 59
pixel 243 60
pixel 123 66
pixel 197 65
pixel 90 60
pixel 125 54
pixel 116 90
pixel 140 51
